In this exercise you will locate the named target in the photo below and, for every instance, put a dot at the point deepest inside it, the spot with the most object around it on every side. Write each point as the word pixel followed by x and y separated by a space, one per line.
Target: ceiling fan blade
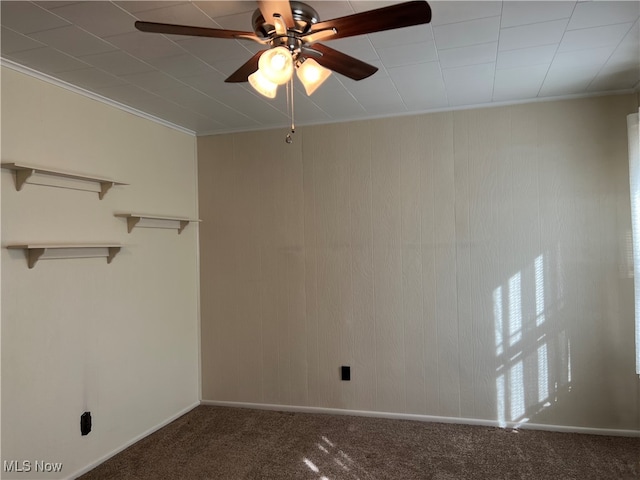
pixel 171 29
pixel 341 62
pixel 387 18
pixel 281 8
pixel 242 74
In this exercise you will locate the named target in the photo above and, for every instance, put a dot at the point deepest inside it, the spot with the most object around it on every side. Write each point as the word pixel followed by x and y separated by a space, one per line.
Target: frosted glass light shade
pixel 276 65
pixel 262 84
pixel 312 75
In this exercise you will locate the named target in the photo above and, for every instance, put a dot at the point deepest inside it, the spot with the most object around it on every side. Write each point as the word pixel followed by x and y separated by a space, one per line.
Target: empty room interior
pixel 437 229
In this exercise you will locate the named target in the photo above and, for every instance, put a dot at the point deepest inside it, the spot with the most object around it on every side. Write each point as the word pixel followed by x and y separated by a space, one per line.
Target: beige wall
pixel 469 264
pixel 120 340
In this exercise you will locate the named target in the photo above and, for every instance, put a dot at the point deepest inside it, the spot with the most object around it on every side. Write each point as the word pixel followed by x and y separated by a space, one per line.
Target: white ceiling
pixel 471 54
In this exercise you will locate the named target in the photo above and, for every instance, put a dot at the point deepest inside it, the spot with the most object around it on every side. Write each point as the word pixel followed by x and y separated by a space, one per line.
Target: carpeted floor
pixel 222 443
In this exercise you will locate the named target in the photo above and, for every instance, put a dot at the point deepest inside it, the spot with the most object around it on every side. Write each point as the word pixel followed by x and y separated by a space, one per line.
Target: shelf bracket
pixel 104 188
pixel 183 224
pixel 132 222
pixel 22 176
pixel 33 254
pixel 113 251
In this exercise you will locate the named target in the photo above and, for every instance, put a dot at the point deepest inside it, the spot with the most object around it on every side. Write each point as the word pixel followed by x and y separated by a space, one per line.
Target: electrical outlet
pixel 85 423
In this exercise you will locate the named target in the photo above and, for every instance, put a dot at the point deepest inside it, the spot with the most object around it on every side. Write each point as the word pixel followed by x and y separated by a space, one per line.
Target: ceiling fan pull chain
pixel 289 138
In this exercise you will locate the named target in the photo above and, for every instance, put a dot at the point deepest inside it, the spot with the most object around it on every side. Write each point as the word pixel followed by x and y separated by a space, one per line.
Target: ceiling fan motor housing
pixel 303 15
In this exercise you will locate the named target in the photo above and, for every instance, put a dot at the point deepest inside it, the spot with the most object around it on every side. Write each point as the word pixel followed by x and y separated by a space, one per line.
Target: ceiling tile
pixel 179 66
pixel 393 38
pixel 49 4
pixel 13 42
pixel 213 50
pixel 470 55
pixel 420 86
pixel 73 41
pixel 408 53
pixel 593 14
pixel 216 10
pixel 90 78
pixel 131 95
pixel 562 80
pixel 305 111
pixel 154 81
pixel 359 47
pixel 211 83
pixel 523 57
pixel 594 37
pixel 615 78
pixel 117 63
pixel 544 33
pixel 378 96
pixel 526 13
pixel 593 58
pixel 239 21
pixel 470 84
pixel 336 102
pixel 184 14
pixel 145 46
pixel 26 17
pixel 520 82
pixel 100 18
pixel 360 6
pixel 328 10
pixel 467 33
pixel 145 5
pixel 455 12
pixel 47 60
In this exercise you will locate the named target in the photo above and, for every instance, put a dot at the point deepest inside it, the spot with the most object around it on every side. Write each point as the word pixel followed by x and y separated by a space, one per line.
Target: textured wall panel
pixel 467 264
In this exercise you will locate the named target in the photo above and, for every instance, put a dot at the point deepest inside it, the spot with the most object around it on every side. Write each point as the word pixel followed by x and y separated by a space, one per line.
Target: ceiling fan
pixel 290 31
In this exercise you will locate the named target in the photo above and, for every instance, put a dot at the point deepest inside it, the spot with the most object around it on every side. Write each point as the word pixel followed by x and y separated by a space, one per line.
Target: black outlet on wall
pixel 345 373
pixel 85 423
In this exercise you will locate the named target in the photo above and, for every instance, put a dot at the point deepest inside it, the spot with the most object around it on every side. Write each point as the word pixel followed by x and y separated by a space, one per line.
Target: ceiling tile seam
pixel 46 29
pixel 543 21
pixel 472 45
pixel 42 45
pixel 350 93
pixel 4 62
pixel 612 53
pixel 600 25
pixel 495 64
pixel 546 74
pixel 465 21
pixel 386 69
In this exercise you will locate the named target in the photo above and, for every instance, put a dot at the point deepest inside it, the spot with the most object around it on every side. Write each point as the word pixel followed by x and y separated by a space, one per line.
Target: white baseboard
pixel 428 418
pixel 106 457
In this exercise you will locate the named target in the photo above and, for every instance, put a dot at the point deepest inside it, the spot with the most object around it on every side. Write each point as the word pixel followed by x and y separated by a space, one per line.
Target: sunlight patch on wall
pixel 534 365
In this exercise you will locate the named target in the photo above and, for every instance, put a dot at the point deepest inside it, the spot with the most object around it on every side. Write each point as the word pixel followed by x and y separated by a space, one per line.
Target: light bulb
pixel 276 65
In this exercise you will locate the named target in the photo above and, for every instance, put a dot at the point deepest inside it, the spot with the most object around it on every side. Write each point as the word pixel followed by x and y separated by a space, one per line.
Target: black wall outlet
pixel 85 423
pixel 345 373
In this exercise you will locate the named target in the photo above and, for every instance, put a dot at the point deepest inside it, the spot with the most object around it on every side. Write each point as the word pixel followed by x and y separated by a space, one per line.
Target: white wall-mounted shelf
pixel 37 252
pixel 58 178
pixel 155 221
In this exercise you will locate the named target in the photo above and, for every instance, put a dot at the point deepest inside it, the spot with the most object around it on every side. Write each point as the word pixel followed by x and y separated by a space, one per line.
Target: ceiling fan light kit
pixel 262 84
pixel 311 74
pixel 291 31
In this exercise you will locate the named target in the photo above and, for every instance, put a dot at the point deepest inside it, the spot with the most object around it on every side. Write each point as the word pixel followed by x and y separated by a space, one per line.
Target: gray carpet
pixel 237 444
